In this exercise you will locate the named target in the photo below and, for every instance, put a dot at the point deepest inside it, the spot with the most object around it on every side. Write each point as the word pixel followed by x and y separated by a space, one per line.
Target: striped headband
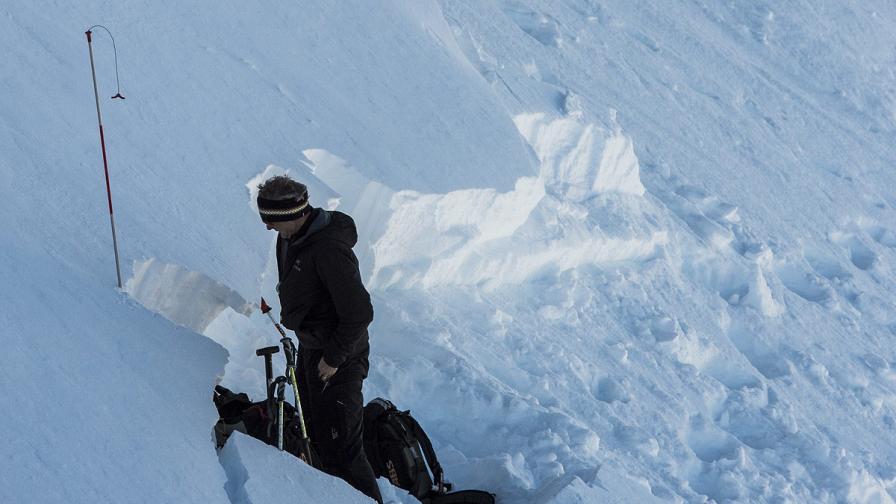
pixel 282 210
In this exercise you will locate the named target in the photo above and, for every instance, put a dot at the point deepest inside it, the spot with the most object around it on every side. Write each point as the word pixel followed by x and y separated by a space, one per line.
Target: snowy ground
pixel 619 252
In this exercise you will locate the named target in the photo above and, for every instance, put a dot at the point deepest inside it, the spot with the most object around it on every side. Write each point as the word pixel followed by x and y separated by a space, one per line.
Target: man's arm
pixel 340 275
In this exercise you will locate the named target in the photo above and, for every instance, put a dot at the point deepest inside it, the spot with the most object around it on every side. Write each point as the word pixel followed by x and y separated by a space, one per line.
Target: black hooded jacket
pixel 322 297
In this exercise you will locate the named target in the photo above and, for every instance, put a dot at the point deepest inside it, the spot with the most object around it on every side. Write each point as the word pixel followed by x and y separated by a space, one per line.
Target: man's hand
pixel 325 371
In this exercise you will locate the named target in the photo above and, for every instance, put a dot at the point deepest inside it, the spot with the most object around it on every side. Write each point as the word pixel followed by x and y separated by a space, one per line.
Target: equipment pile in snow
pixel 257 419
pixel 395 444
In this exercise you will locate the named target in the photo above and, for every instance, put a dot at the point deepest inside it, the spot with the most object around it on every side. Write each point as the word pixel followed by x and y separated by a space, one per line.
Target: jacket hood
pixel 332 225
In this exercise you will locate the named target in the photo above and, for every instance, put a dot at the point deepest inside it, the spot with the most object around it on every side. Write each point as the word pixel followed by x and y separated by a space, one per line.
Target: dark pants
pixel 334 417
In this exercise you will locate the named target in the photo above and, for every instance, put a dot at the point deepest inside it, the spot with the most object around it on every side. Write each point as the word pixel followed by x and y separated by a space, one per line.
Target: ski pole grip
pixel 280 384
pixel 289 350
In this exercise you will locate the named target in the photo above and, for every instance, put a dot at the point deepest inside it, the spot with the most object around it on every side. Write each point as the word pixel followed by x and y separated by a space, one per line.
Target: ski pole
pixel 267 311
pixel 99 119
pixel 281 393
pixel 290 354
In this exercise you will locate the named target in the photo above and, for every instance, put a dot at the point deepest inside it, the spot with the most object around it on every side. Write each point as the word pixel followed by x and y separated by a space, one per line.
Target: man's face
pixel 287 228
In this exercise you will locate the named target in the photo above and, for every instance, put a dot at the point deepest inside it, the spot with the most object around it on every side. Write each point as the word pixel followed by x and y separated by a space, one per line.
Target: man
pixel 324 301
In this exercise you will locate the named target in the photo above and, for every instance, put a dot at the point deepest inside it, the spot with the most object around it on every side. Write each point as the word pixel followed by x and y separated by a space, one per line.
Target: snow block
pixel 579 161
pixel 258 473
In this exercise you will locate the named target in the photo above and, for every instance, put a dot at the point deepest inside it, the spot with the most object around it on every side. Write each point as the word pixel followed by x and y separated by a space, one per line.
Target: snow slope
pixel 619 252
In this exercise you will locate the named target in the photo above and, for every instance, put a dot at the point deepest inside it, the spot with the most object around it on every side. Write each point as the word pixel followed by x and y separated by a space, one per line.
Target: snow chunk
pixel 619 170
pixel 479 236
pixel 579 160
pixel 258 473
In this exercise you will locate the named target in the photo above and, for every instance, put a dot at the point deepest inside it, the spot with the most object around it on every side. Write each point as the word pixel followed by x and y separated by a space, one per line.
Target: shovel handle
pixel 267 352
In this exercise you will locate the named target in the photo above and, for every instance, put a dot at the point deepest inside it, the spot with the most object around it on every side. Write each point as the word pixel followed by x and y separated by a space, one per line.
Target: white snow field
pixel 619 252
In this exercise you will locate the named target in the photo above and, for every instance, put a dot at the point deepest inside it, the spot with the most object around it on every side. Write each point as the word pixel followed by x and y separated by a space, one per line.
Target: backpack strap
pixel 428 452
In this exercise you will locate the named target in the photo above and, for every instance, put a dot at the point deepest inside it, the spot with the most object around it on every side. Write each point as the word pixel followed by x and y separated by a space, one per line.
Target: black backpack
pixel 399 449
pixel 257 419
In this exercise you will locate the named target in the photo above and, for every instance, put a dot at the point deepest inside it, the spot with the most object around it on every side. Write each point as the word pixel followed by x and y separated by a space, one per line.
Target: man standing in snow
pixel 324 301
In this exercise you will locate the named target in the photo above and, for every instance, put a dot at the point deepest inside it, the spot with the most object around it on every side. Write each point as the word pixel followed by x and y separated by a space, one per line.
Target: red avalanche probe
pixel 267 311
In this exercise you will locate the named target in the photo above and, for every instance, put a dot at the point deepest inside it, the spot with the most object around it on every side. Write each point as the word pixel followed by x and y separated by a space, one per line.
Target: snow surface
pixel 618 251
